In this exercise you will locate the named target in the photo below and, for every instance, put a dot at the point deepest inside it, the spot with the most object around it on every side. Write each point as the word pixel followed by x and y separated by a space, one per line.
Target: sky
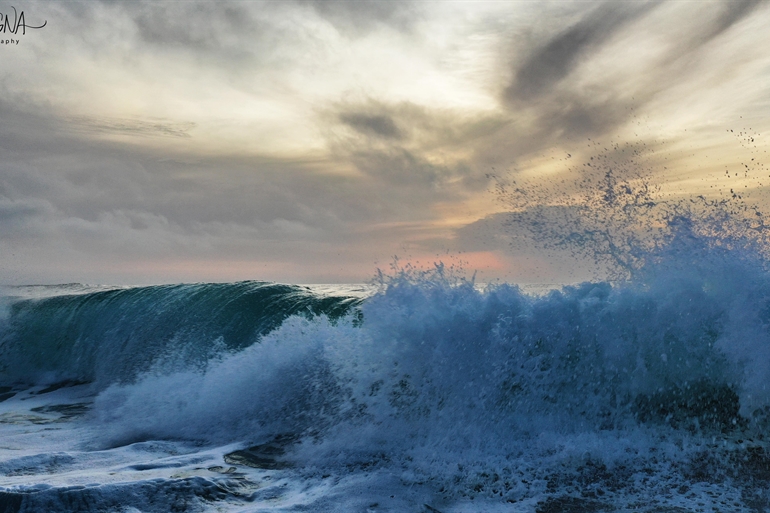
pixel 311 141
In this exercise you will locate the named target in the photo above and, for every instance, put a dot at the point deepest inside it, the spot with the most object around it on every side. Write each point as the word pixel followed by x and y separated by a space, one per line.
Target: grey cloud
pixel 359 17
pixel 193 25
pixel 241 35
pixel 400 167
pixel 562 111
pixel 690 43
pixel 20 210
pixel 114 200
pixel 156 127
pixel 237 38
pixel 554 60
pixel 559 110
pixel 372 124
pixel 734 11
pixel 580 116
pixel 490 233
pixel 415 125
pixel 377 122
pixel 397 144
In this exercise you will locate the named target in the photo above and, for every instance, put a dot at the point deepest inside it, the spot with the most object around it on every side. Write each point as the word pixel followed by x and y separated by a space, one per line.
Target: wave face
pixel 114 335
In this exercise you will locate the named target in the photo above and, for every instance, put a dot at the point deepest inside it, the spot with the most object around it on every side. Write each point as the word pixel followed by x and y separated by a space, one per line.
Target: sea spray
pixel 614 212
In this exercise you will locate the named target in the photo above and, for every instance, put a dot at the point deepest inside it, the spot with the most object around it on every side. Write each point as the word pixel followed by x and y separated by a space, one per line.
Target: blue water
pixel 423 392
pixel 115 334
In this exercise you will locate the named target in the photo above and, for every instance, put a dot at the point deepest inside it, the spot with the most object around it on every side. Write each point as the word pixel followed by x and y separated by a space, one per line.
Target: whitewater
pixel 647 390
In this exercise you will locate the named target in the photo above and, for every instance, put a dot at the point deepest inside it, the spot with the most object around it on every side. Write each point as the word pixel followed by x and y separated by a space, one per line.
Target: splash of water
pixel 612 212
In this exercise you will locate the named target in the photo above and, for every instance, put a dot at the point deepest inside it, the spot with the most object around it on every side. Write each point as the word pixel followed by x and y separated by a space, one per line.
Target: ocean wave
pixel 116 334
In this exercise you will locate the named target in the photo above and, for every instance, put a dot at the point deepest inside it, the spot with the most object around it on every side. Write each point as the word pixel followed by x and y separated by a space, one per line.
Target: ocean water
pixel 424 393
pixel 647 390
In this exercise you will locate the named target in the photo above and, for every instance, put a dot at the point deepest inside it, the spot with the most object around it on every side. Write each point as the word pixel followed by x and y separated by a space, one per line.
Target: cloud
pixel 379 125
pixel 733 12
pixel 598 74
pixel 137 127
pixel 402 168
pixel 359 17
pixel 558 103
pixel 241 35
pixel 518 236
pixel 196 26
pixel 15 213
pixel 422 154
pixel 554 59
